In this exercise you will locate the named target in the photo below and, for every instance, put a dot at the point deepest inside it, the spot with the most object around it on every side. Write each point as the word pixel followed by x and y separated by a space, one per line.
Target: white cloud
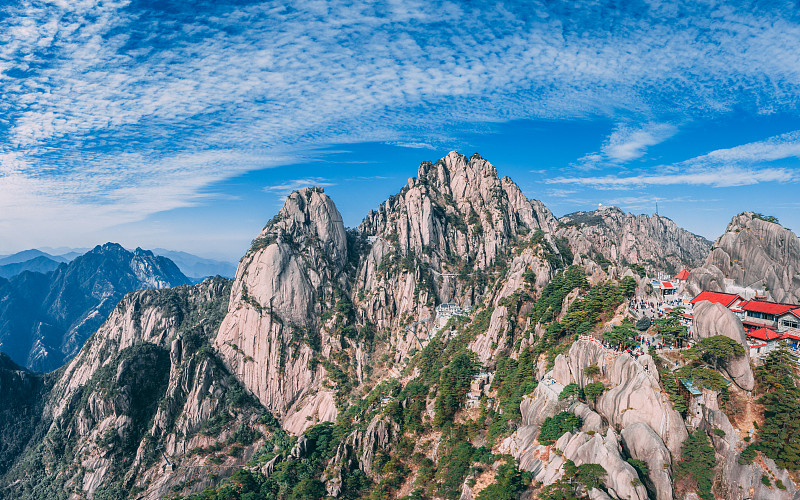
pixel 627 143
pixel 105 108
pixel 738 166
pixel 716 177
pixel 413 145
pixel 560 193
pixel 286 188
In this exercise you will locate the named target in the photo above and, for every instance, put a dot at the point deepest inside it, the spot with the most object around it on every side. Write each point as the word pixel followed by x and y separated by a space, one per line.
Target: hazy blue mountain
pixel 198 267
pixel 66 252
pixel 31 254
pixel 69 256
pixel 46 318
pixel 40 264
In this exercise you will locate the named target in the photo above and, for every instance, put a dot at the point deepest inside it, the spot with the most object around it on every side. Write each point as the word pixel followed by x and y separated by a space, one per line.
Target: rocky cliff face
pixel 715 319
pixel 40 264
pixel 654 242
pixel 444 230
pixel 327 329
pixel 753 253
pixel 137 409
pixel 634 403
pixel 273 335
pixel 45 319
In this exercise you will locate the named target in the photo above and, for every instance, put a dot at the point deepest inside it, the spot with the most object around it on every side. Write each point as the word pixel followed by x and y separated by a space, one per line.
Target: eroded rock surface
pixel 752 253
pixel 283 284
pixel 644 444
pixel 624 239
pixel 715 319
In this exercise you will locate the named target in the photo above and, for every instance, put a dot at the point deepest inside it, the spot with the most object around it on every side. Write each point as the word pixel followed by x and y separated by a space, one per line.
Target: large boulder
pixel 592 421
pixel 712 319
pixel 644 444
pixel 637 397
pixel 569 367
pixel 583 448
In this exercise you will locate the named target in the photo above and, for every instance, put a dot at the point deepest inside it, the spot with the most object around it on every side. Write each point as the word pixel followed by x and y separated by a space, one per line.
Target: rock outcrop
pixel 620 478
pixel 753 254
pixel 272 331
pixel 742 481
pixel 644 444
pixel 654 242
pixel 144 392
pixel 634 395
pixel 637 397
pixel 45 319
pixel 442 231
pixel 715 319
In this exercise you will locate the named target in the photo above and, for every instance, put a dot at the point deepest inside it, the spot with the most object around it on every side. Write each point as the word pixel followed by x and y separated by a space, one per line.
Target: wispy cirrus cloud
pixel 286 188
pixel 742 165
pixel 627 143
pixel 715 177
pixel 131 108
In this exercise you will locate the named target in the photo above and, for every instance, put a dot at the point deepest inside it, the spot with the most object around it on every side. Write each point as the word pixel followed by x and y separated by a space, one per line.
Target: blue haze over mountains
pixel 46 317
pixel 47 260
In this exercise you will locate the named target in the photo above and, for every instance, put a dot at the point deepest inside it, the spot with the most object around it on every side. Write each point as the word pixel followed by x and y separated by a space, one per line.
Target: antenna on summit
pixel 656 208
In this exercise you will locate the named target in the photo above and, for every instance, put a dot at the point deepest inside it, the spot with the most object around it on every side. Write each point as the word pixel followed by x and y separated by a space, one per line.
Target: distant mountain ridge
pixel 46 259
pixel 40 264
pixel 615 237
pixel 46 318
pixel 31 254
pixel 197 267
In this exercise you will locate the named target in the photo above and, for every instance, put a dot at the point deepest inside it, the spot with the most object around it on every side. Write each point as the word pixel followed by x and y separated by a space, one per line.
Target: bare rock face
pixel 377 437
pixel 569 367
pixel 637 397
pixel 715 319
pixel 488 344
pixel 740 482
pixel 627 239
pixel 644 444
pixel 582 448
pixel 592 421
pixel 453 220
pixel 535 408
pixel 753 253
pixel 542 403
pixel 271 331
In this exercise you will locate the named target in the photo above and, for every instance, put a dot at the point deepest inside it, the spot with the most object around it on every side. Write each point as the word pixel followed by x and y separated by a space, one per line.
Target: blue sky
pixel 182 124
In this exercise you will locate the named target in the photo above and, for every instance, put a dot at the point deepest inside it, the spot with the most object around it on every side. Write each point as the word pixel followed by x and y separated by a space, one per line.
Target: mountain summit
pixel 45 319
pixel 440 350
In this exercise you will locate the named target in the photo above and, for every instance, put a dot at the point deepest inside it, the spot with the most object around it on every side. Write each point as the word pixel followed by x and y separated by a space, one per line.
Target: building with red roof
pixel 760 341
pixel 765 313
pixel 765 334
pixel 789 320
pixel 726 299
pixel 682 276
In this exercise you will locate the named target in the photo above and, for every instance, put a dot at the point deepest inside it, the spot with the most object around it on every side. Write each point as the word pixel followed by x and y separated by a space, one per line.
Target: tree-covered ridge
pixel 133 396
pixel 430 401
